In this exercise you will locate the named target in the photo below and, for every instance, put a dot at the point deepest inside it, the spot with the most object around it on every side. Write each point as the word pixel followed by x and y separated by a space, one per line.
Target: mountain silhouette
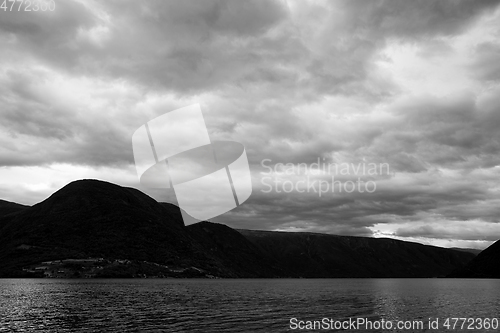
pixel 90 218
pixel 321 255
pixel 91 228
pixel 7 207
pixel 485 265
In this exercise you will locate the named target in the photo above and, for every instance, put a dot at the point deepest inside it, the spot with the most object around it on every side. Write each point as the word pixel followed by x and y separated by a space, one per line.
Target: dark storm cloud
pixel 193 46
pixel 354 30
pixel 486 64
pixel 183 46
pixel 354 212
pixel 64 132
pixel 47 35
pixel 453 131
pixel 413 19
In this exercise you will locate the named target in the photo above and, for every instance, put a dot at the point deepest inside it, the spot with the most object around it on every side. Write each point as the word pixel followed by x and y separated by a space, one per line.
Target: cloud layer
pixel 413 84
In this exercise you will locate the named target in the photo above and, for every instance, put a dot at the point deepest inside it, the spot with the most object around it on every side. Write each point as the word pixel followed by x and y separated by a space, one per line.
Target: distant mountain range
pixel 474 251
pixel 321 255
pixel 91 228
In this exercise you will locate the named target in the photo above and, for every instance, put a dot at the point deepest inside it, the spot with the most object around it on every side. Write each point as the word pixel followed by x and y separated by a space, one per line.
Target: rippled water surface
pixel 169 305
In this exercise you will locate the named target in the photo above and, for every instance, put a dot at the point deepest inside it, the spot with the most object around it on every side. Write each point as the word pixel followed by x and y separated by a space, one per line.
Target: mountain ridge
pixel 96 219
pixel 324 255
pixel 484 265
pixel 9 207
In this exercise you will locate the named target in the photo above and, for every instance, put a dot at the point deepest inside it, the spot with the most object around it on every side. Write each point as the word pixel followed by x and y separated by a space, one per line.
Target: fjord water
pixel 257 305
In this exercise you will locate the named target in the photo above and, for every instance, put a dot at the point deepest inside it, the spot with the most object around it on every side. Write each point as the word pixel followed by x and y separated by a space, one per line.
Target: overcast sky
pixel 413 84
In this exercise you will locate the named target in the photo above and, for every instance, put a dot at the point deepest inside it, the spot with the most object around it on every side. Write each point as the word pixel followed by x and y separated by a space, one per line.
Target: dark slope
pixel 90 218
pixel 485 265
pixel 320 255
pixel 234 250
pixel 95 219
pixel 7 207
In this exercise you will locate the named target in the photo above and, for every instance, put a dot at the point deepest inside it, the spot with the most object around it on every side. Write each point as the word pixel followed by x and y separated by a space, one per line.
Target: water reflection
pixel 232 305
